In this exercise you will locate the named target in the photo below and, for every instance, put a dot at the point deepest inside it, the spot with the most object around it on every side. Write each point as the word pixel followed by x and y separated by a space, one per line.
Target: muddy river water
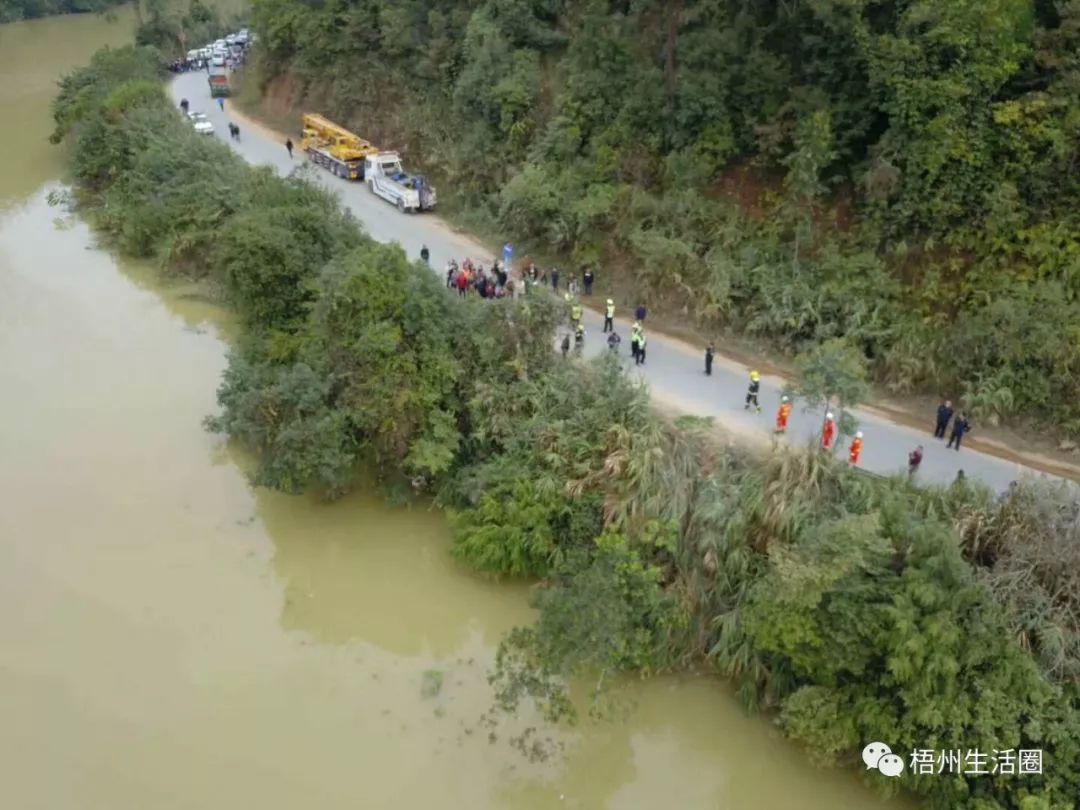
pixel 172 638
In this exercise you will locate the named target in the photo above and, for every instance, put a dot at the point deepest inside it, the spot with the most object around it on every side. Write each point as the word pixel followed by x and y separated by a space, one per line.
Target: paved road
pixel 674 369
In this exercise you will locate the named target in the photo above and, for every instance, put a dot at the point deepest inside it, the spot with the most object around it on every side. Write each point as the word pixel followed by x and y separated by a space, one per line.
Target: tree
pixel 832 377
pixel 813 152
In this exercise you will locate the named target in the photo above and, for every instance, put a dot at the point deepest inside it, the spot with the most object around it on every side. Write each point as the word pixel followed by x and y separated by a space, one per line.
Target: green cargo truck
pixel 219 85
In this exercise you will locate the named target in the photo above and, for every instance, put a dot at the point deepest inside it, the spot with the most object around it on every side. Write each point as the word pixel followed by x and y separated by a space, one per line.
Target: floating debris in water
pixel 431 683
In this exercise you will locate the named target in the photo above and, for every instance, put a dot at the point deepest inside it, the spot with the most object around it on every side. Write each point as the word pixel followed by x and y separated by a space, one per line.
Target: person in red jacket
pixel 828 432
pixel 855 450
pixel 783 414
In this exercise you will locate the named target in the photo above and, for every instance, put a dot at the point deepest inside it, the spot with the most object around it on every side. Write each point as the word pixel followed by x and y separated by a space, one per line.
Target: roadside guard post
pixel 508 256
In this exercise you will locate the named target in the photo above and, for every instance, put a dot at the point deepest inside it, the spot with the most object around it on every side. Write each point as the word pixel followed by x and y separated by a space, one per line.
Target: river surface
pixel 172 638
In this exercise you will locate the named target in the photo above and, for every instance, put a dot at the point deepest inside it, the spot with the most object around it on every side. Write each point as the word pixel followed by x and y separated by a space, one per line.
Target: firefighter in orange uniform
pixel 783 414
pixel 855 450
pixel 828 432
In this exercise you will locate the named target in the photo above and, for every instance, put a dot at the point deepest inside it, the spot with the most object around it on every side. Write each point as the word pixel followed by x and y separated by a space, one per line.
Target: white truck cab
pixel 387 178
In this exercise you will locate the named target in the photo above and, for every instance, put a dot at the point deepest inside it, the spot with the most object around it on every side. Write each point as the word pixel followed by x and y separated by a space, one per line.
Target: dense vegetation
pixel 12 10
pixel 174 30
pixel 902 173
pixel 855 609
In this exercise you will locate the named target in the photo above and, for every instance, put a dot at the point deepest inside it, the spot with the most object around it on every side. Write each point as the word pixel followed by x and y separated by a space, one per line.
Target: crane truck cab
pixel 386 178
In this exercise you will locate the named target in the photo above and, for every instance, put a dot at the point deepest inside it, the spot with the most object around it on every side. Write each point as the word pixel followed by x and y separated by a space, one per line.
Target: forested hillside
pixel 12 10
pixel 906 172
pixel 853 608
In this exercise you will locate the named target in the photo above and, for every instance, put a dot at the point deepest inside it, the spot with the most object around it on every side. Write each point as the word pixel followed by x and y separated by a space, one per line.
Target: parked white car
pixel 201 123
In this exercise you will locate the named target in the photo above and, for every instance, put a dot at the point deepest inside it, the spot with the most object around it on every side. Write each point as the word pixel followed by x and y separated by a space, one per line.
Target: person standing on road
pixel 641 347
pixel 914 459
pixel 575 313
pixel 960 426
pixel 613 341
pixel 425 255
pixel 572 286
pixel 710 351
pixel 588 279
pixel 752 392
pixel 289 147
pixel 828 432
pixel 609 316
pixel 462 284
pixel 635 341
pixel 783 414
pixel 855 450
pixel 579 338
pixel 640 313
pixel 944 414
pixel 221 103
pixel 555 279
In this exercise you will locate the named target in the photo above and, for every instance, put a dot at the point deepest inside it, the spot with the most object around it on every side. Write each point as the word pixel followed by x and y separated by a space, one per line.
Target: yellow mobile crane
pixel 335 148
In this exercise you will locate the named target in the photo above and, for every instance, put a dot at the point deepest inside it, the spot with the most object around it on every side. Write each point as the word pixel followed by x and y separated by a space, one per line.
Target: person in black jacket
pixel 960 426
pixel 944 414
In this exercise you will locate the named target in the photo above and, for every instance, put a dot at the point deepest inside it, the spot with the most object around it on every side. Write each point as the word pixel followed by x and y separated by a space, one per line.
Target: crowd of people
pixel 471 278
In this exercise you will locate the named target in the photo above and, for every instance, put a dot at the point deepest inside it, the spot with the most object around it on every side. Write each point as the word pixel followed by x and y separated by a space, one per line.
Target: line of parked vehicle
pixel 223 53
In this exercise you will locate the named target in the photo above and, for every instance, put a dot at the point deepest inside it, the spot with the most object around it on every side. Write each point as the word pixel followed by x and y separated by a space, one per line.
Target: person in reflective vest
pixel 828 432
pixel 609 316
pixel 752 392
pixel 783 414
pixel 579 337
pixel 641 347
pixel 855 450
pixel 575 313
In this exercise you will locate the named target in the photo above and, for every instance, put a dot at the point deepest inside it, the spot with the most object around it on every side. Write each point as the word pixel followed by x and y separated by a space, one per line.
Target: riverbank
pixel 821 594
pixel 151 600
pixel 1029 447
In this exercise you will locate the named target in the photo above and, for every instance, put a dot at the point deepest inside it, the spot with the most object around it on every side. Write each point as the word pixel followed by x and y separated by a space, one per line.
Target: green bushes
pixel 855 609
pixel 174 31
